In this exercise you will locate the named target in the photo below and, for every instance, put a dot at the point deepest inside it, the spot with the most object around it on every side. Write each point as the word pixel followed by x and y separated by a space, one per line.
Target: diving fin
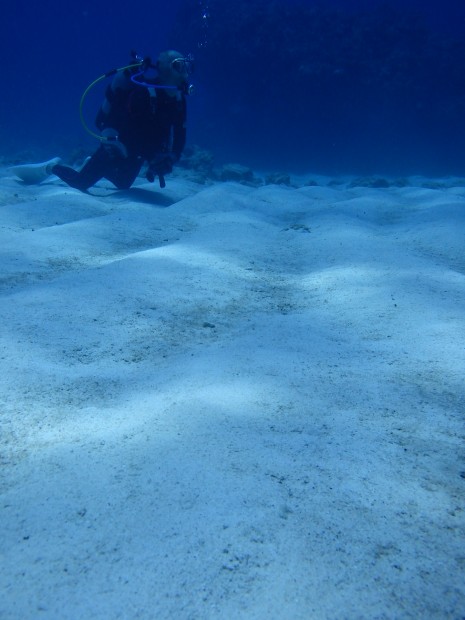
pixel 35 173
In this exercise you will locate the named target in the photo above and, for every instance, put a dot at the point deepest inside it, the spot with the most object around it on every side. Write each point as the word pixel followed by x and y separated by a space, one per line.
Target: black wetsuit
pixel 149 123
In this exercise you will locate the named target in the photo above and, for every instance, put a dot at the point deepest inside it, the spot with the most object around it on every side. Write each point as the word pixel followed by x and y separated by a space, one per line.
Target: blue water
pixel 356 86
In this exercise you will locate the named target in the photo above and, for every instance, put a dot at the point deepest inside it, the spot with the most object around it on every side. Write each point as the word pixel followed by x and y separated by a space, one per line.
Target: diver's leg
pixel 93 170
pixel 124 172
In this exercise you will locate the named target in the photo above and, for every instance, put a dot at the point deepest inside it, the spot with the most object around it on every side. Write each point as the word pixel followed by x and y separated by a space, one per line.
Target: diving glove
pixel 159 166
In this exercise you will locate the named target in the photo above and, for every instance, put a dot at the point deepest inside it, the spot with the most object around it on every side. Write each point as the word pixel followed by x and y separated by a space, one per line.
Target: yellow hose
pixel 84 95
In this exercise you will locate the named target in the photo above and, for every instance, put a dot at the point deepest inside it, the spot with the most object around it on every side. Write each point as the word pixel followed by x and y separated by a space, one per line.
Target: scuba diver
pixel 142 120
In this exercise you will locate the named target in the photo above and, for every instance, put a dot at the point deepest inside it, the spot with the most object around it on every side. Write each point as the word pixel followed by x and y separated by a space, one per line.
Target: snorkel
pixel 185 88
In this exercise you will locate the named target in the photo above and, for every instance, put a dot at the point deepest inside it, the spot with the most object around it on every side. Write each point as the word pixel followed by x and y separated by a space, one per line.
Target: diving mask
pixel 183 65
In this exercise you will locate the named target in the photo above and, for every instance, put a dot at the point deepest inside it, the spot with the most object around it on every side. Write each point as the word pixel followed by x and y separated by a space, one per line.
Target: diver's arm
pixel 179 132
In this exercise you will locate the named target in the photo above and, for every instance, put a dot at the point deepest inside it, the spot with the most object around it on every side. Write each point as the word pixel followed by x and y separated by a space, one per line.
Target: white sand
pixel 225 402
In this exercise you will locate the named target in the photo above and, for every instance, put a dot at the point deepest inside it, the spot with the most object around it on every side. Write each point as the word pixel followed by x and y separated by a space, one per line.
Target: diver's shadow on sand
pixel 139 194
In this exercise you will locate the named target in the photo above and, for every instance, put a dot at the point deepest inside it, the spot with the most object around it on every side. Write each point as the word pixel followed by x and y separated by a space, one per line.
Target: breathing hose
pixel 89 88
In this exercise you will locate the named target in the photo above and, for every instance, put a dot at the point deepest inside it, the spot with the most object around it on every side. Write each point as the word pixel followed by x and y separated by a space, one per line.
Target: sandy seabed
pixel 232 402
